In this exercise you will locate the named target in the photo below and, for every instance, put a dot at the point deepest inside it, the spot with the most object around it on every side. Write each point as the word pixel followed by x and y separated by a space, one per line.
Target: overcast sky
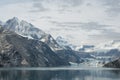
pixel 79 21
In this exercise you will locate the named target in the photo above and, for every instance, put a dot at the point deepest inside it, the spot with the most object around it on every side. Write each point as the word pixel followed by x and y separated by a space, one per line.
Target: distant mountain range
pixel 94 55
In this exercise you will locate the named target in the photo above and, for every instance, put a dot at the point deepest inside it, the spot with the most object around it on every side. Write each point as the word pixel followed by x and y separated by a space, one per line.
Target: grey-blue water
pixel 59 73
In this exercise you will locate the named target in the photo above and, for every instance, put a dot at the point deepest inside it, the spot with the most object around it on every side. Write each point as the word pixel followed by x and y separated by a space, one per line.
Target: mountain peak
pixel 12 23
pixel 15 19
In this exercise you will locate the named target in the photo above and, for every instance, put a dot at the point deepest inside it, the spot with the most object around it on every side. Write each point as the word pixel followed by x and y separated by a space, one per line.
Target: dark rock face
pixel 69 55
pixel 114 64
pixel 17 51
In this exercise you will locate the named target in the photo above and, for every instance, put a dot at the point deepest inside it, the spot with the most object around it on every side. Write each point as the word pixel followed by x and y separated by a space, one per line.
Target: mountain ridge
pixel 18 51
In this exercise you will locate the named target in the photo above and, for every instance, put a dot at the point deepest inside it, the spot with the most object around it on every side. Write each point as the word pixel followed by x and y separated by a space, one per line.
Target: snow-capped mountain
pixel 94 55
pixel 82 48
pixel 104 47
pixel 19 51
pixel 109 50
pixel 104 53
pixel 26 29
pixel 64 43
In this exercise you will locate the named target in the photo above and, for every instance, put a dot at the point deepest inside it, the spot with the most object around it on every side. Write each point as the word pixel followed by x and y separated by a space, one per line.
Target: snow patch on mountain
pixel 26 29
pixel 64 43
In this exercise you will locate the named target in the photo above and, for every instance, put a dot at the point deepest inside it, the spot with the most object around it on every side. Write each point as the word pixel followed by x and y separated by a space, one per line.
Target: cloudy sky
pixel 79 21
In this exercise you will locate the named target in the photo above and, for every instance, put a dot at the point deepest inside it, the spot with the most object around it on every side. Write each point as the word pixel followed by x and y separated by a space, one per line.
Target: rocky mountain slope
pixel 69 55
pixel 17 51
pixel 113 64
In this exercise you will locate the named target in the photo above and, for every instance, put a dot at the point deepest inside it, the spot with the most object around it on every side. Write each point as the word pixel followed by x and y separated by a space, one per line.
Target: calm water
pixel 63 73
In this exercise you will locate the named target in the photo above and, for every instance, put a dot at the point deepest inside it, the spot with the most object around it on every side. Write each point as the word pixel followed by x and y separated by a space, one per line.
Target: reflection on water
pixel 62 74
